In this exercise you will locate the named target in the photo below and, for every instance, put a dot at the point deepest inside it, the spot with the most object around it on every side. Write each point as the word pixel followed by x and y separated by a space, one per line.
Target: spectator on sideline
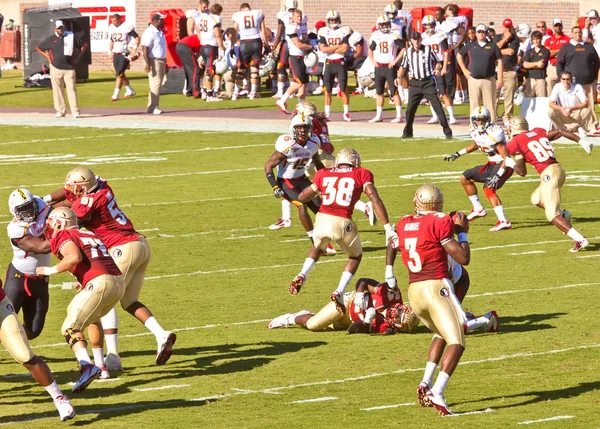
pixel 554 43
pixel 591 32
pixel 508 43
pixel 62 50
pixel 569 106
pixel 535 61
pixel 188 50
pixel 542 28
pixel 154 52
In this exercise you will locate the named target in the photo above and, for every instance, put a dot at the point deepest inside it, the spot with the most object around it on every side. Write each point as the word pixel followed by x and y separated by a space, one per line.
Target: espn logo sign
pixel 102 13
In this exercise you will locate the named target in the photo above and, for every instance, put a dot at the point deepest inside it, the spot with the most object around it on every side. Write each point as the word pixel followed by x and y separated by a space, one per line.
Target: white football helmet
pixel 428 22
pixel 481 114
pixel 333 19
pixel 220 66
pixel 22 205
pixel 291 4
pixel 306 107
pixel 384 24
pixel 428 199
pixel 348 156
pixel 60 218
pixel 267 65
pixel 311 60
pixel 391 10
pixel 355 38
pixel 301 128
pixel 79 182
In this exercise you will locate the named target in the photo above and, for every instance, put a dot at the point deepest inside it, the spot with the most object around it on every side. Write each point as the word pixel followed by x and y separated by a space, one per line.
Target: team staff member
pixel 554 43
pixel 569 106
pixel 62 50
pixel 535 61
pixel 483 56
pixel 508 43
pixel 154 52
pixel 422 65
pixel 188 50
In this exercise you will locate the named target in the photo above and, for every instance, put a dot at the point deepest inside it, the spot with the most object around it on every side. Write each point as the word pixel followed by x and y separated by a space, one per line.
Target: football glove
pixel 391 281
pixel 391 237
pixel 278 192
pixel 369 315
pixel 494 182
pixel 452 157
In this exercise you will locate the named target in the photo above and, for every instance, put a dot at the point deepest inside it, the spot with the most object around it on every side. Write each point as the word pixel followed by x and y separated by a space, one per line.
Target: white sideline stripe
pixel 306 401
pixel 294 240
pixel 503 246
pixel 244 237
pixel 549 419
pixel 149 229
pixel 171 386
pixel 527 253
pixel 63 286
pixel 590 256
pixel 468 413
pixel 75 138
pixel 583 184
pixel 504 292
pixel 384 407
pixel 106 380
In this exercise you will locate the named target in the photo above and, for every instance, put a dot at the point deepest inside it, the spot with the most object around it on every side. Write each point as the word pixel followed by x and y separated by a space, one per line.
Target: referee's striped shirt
pixel 420 64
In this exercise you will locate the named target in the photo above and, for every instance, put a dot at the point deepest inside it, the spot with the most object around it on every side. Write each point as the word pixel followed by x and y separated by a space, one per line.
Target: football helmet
pixel 428 22
pixel 267 65
pixel 384 24
pixel 348 156
pixel 480 114
pixel 220 66
pixel 22 205
pixel 428 199
pixel 402 317
pixel 305 107
pixel 79 182
pixel 391 11
pixel 517 125
pixel 333 19
pixel 310 59
pixel 60 218
pixel 301 128
pixel 355 38
pixel 291 4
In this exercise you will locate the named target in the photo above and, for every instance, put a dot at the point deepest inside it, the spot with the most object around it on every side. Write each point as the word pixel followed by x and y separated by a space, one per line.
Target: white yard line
pixel 243 237
pixel 170 386
pixel 506 292
pixel 527 253
pixel 468 413
pixel 589 256
pixel 385 407
pixel 306 401
pixel 549 419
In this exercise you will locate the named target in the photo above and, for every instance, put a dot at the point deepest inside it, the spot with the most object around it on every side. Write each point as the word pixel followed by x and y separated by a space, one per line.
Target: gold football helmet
pixel 517 125
pixel 79 182
pixel 60 218
pixel 306 107
pixel 348 156
pixel 428 198
pixel 402 317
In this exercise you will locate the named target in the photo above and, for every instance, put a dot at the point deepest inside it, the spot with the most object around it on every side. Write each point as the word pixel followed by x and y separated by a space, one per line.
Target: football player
pixel 121 53
pixel 191 15
pixel 99 289
pixel 400 21
pixel 533 147
pixel 14 339
pixel 96 208
pixel 356 56
pixel 284 21
pixel 425 240
pixel 340 188
pixel 491 140
pixel 333 41
pixel 23 287
pixel 208 26
pixel 385 47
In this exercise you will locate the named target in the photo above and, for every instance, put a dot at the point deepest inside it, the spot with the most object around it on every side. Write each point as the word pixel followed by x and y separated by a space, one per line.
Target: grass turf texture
pixel 219 278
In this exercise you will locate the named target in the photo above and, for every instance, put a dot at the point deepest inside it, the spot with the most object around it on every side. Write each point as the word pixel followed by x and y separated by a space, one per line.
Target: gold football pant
pixel 339 229
pixel 132 259
pixel 12 333
pixel 548 192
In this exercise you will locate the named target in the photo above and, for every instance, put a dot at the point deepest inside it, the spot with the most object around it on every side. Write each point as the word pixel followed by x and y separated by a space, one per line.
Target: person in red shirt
pixel 188 50
pixel 533 147
pixel 340 188
pixel 100 285
pixel 425 240
pixel 554 43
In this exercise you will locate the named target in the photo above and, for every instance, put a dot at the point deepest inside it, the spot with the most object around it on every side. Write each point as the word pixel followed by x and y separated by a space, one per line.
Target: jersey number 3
pixel 414 260
pixel 340 192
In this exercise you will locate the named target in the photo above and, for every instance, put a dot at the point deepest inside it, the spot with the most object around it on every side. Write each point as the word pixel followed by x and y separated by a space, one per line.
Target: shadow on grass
pixel 527 322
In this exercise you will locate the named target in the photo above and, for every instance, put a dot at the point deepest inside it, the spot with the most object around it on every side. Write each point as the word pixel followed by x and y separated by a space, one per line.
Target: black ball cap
pixel 415 35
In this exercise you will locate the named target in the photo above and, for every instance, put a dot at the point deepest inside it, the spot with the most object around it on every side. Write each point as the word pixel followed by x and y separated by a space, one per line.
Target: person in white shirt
pixel 121 34
pixel 154 52
pixel 591 33
pixel 208 26
pixel 569 106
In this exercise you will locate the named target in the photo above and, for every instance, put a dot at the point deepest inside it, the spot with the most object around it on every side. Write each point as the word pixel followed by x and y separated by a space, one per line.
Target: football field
pixel 218 275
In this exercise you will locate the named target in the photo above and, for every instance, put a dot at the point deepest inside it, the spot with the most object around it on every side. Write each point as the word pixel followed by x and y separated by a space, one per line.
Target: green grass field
pixel 219 274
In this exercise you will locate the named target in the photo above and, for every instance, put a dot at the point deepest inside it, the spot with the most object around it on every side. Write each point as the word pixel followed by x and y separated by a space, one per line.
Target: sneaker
pixel 157 111
pixel 596 131
pixel 586 145
pixel 281 223
pixel 64 407
pixel 439 403
pixel 370 213
pixel 59 115
pixel 458 101
pixel 500 225
pixel 397 120
pixel 104 375
pixel 357 91
pixel 213 99
pixel 296 284
pixel 129 94
pixel 376 119
pixel 283 321
pixel 580 245
pixel 422 390
pixel 235 96
pixel 88 373
pixel 112 362
pixel 282 106
pixel 451 121
pixel 329 250
pixel 204 96
pixel 114 98
pixel 492 325
pixel 474 215
pixel 165 348
pixel 76 116
pixel 433 121
pixel 318 91
pixel 277 95
pixel 347 117
pixel 338 298
pixel 253 96
pixel 567 215
pixel 244 92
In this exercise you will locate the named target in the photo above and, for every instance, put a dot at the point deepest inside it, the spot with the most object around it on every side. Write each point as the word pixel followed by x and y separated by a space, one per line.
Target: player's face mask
pixel 27 211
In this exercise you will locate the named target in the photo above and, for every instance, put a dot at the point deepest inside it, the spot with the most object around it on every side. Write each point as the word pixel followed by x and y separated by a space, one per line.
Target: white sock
pixel 98 357
pixel 116 92
pixel 310 234
pixel 500 213
pixel 572 233
pixel 433 114
pixel 217 87
pixel 476 323
pixel 53 390
pixel 379 111
pixel 253 88
pixel 154 327
pixel 110 320
pixel 440 384
pixel 346 108
pixel 236 89
pixel 328 110
pixel 112 343
pixel 405 94
pixel 128 88
pixel 284 97
pixel 309 264
pixel 280 87
pixel 429 372
pixel 344 281
pixel 399 111
pixel 476 203
pixel 360 206
pixel 450 110
pixel 285 209
pixel 83 356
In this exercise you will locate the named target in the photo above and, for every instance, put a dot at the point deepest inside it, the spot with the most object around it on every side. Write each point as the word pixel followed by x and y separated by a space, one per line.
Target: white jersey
pixel 24 261
pixel 400 26
pixel 248 22
pixel 438 43
pixel 455 270
pixel 205 26
pixel 297 156
pixel 460 22
pixel 334 37
pixel 384 46
pixel 354 46
pixel 121 36
pixel 405 16
pixel 321 56
pixel 487 142
pixel 292 30
pixel 595 30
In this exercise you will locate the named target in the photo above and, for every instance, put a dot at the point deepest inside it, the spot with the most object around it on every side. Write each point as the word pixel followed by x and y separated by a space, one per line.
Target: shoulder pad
pixel 396 34
pixel 496 133
pixel 16 229
pixel 129 27
pixel 321 32
pixel 283 143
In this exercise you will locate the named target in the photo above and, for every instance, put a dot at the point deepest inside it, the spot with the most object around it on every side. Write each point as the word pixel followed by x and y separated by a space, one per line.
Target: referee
pixel 422 65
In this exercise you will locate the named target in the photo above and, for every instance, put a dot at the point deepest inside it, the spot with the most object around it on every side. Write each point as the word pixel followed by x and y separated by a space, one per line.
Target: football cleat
pixel 580 245
pixel 433 120
pixel 283 321
pixel 165 348
pixel 347 117
pixel 587 145
pixel 281 223
pixel 474 215
pixel 277 95
pixel 329 250
pixel 88 373
pixel 157 111
pixel 129 94
pixel 370 213
pixel 567 215
pixel 492 325
pixel 282 106
pixel 439 403
pixel 451 121
pixel 64 407
pixel 297 284
pixel 422 390
pixel 112 362
pixel 338 298
pixel 104 375
pixel 114 98
pixel 235 96
pixel 253 96
pixel 500 225
pixel 357 91
pixel 376 119
pixel 397 120
pixel 59 115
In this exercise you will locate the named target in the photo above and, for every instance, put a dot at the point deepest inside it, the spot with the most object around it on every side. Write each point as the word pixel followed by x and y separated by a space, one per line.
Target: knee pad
pixel 241 74
pixel 70 336
pixel 489 193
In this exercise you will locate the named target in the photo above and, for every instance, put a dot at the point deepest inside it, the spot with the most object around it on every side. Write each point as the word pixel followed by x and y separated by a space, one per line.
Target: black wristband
pixel 272 180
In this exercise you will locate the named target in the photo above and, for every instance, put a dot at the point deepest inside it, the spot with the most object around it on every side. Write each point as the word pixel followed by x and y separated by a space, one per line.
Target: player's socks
pixel 450 110
pixel 360 206
pixel 430 368
pixel 405 94
pixel 344 281
pixel 253 88
pixel 500 213
pixel 576 236
pixel 379 111
pixel 309 264
pixel 284 97
pixel 346 108
pixel 476 203
pixel 310 234
pixel 285 209
pixel 399 111
pixel 471 325
pixel 116 92
pixel 280 87
pixel 328 111
pixel 440 383
pixel 128 88
pixel 434 115
pixel 111 343
pixel 83 357
pixel 154 327
pixel 217 87
pixel 53 390
pixel 98 356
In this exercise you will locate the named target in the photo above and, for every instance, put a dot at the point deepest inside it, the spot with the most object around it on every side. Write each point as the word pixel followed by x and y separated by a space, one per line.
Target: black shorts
pixel 209 55
pixel 121 64
pixel 298 69
pixel 250 53
pixel 292 189
pixel 284 59
pixel 485 173
pixel 385 74
pixel 30 294
pixel 446 84
pixel 355 64
pixel 335 69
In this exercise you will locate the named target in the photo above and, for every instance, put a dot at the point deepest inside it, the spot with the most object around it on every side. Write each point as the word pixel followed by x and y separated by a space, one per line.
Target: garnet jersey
pixel 107 221
pixel 421 239
pixel 341 188
pixel 205 26
pixel 321 133
pixel 2 294
pixel 248 22
pixel 385 46
pixel 96 259
pixel 334 37
pixel 438 43
pixel 381 300
pixel 24 261
pixel 487 141
pixel 297 156
pixel 121 36
pixel 535 148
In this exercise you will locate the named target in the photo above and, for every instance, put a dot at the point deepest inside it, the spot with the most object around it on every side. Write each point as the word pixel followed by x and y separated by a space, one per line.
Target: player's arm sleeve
pixel 134 33
pixel 372 45
pixel 367 177
pixel 444 230
pixel 81 210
